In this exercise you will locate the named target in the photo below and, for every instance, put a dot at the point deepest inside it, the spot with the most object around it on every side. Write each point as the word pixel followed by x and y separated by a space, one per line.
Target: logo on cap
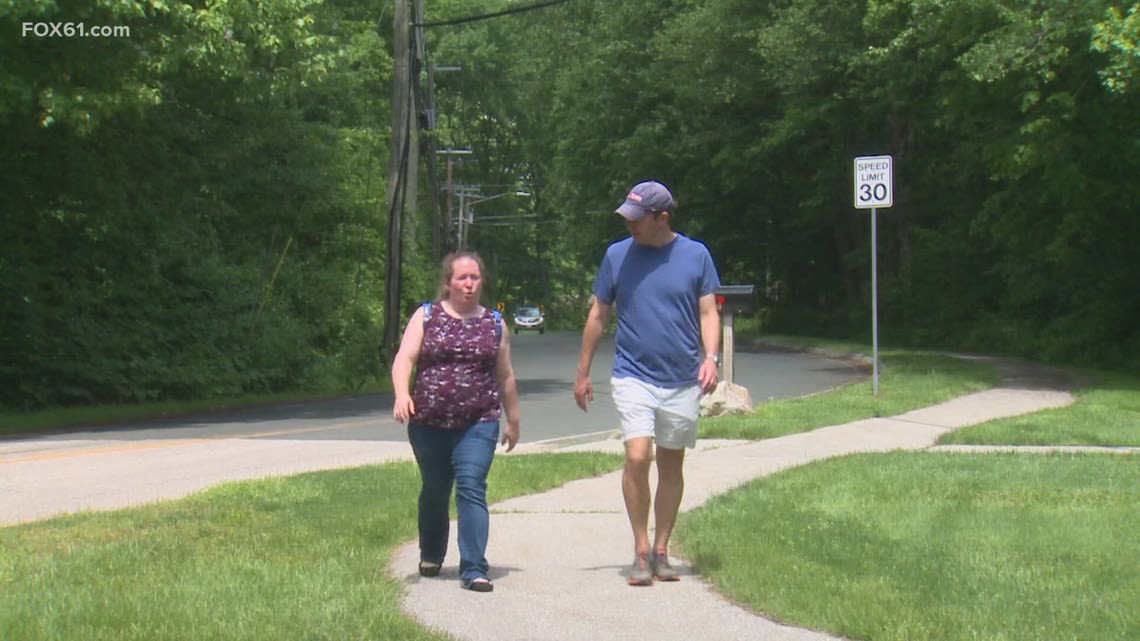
pixel 646 197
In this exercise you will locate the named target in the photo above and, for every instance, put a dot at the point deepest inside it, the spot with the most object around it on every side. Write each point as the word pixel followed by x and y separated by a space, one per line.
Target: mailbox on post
pixel 736 299
pixel 732 300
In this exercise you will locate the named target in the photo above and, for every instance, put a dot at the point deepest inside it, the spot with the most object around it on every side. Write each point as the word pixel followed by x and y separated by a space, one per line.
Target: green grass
pixel 907 381
pixel 938 546
pixel 301 557
pixel 907 546
pixel 1106 414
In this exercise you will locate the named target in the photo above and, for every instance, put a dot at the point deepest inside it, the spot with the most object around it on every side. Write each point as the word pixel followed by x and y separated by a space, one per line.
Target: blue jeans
pixel 461 458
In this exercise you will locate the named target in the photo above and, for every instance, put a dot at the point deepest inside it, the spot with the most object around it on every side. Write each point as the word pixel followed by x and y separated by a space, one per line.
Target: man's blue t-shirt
pixel 656 290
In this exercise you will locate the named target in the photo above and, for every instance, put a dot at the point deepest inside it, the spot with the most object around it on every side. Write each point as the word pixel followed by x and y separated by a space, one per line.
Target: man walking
pixel 668 339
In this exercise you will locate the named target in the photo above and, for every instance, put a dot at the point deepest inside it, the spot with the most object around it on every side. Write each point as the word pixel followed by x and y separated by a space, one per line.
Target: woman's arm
pixel 403 365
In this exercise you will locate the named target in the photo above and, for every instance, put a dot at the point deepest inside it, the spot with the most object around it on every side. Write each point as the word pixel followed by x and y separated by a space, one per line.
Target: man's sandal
pixel 429 569
pixel 479 584
pixel 662 569
pixel 641 572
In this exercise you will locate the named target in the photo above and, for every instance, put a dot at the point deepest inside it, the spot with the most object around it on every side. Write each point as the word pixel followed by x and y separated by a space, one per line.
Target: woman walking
pixel 464 382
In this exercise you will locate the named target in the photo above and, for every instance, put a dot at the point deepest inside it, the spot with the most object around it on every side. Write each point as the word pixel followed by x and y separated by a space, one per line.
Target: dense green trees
pixel 198 208
pixel 1011 124
pixel 191 210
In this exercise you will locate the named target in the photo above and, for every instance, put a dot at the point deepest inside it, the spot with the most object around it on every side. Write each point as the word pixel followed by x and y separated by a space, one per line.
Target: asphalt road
pixel 544 367
pixel 107 467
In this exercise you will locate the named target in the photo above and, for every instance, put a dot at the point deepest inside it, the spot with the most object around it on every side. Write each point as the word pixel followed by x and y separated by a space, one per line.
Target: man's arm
pixel 710 340
pixel 591 337
pixel 508 388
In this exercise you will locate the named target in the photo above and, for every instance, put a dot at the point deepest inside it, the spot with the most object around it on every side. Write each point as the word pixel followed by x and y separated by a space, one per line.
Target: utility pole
pixel 415 99
pixel 462 221
pixel 400 168
pixel 469 196
pixel 401 95
pixel 439 226
pixel 451 152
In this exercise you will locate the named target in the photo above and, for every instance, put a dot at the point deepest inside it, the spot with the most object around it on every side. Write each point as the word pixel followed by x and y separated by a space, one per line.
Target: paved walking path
pixel 559 558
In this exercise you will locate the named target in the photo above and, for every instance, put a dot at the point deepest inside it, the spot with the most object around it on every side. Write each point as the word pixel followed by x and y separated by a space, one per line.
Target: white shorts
pixel 667 415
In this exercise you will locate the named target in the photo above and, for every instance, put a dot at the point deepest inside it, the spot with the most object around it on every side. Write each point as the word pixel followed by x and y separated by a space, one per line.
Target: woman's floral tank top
pixel 456 386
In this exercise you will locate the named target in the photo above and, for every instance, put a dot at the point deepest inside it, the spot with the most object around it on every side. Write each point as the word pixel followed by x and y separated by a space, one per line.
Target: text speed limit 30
pixel 873 182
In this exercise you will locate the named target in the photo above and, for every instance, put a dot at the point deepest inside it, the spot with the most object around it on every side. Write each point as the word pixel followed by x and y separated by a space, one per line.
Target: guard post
pixel 732 300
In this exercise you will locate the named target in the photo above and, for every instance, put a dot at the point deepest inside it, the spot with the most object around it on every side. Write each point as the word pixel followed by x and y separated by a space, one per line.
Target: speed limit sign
pixel 873 182
pixel 874 189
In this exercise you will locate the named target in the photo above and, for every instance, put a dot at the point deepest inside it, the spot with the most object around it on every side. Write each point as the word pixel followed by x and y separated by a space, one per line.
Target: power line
pixel 501 223
pixel 453 21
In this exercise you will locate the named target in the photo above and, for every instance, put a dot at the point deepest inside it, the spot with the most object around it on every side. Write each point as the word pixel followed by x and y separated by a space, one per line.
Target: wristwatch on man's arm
pixel 714 357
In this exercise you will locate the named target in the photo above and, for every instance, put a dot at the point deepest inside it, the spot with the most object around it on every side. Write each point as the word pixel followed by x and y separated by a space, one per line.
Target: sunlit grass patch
pixel 933 546
pixel 1106 414
pixel 282 558
pixel 908 381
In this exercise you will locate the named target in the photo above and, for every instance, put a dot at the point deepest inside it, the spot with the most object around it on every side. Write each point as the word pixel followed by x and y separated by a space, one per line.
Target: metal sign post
pixel 874 188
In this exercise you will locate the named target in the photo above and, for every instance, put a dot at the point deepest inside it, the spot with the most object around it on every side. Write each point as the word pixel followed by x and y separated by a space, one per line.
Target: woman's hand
pixel 510 436
pixel 404 409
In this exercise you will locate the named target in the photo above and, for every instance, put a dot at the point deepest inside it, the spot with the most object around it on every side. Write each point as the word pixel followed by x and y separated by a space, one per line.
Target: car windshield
pixel 527 312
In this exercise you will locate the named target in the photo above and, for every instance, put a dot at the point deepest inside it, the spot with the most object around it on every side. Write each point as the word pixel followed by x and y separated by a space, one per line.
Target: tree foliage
pixel 189 216
pixel 199 208
pixel 1008 122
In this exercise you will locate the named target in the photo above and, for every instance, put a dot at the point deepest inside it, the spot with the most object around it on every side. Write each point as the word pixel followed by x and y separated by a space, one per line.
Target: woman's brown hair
pixel 447 270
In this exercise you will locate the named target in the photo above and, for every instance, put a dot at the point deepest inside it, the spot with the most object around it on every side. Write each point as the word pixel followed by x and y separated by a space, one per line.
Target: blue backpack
pixel 494 313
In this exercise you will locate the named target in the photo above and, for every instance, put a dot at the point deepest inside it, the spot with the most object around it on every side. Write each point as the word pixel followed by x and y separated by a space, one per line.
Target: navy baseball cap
pixel 646 197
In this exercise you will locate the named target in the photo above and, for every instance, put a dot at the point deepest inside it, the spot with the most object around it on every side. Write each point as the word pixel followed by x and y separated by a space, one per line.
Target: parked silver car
pixel 530 318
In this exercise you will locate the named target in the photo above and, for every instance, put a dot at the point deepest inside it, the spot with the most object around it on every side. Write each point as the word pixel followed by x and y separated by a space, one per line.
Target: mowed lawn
pixel 299 557
pixel 942 546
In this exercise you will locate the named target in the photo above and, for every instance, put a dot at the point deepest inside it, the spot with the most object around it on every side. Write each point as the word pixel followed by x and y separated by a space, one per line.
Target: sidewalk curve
pixel 558 559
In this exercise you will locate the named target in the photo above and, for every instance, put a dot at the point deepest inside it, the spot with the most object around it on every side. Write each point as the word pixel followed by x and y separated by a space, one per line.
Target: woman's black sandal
pixel 478 585
pixel 429 569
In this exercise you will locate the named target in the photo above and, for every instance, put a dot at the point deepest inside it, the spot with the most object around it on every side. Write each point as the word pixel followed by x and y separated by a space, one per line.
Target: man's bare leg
pixel 635 489
pixel 670 489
